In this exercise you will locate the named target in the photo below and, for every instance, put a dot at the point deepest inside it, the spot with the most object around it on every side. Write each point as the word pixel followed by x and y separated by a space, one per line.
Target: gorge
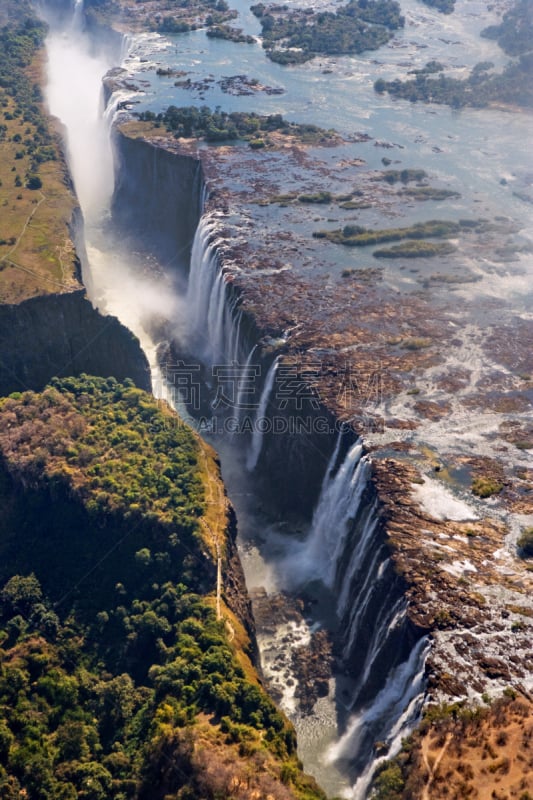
pixel 207 255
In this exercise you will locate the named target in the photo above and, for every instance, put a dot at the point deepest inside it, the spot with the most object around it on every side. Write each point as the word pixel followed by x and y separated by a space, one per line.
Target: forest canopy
pixel 118 679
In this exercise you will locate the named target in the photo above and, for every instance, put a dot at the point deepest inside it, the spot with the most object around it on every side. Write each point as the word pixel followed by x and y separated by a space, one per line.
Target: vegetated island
pixel 416 250
pixel 483 87
pixel 127 665
pixel 444 6
pixel 293 36
pixel 358 236
pixel 229 33
pixel 174 16
pixel 191 122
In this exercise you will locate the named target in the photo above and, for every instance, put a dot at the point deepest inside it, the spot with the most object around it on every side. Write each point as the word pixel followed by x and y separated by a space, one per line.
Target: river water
pixel 470 151
pixel 473 149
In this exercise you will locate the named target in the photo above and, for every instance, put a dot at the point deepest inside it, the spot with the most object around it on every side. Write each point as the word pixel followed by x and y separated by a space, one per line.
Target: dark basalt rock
pixel 62 334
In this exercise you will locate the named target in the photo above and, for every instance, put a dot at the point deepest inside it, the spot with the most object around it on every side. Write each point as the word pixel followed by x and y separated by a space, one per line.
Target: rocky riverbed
pixel 428 359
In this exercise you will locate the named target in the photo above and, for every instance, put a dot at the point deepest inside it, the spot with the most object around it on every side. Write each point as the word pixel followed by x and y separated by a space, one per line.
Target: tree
pixel 20 594
pixel 34 182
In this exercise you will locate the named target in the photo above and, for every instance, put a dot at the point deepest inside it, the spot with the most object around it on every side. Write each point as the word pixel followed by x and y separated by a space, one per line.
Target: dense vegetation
pixel 227 32
pixel 403 175
pixel 117 679
pixel 165 16
pixel 14 12
pixel 515 33
pixel 293 37
pixel 416 250
pixel 482 87
pixel 132 468
pixel 221 126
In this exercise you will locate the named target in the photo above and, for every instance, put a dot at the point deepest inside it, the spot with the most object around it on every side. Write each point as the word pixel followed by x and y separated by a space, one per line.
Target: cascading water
pixel 212 315
pixel 347 551
pixel 388 720
pixel 342 549
pixel 261 417
pixel 249 373
pixel 338 503
pixel 77 16
pixel 116 280
pixel 74 95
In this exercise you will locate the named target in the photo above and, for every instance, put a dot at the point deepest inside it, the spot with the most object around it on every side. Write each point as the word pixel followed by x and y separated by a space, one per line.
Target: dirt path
pixel 432 770
pixel 25 226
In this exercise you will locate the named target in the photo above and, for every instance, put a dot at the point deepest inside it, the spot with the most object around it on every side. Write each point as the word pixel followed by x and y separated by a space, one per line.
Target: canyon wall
pixel 157 197
pixel 62 334
pixel 299 459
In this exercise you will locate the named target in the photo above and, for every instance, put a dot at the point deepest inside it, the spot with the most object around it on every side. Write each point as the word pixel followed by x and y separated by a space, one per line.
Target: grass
pixel 36 251
pixel 416 249
pixel 486 487
pixel 357 236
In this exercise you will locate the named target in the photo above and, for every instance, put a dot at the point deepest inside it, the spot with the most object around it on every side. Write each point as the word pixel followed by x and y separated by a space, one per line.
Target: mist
pixel 146 296
pixel 129 285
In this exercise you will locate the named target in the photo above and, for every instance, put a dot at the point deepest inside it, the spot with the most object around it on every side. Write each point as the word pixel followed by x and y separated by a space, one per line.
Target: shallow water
pixel 469 151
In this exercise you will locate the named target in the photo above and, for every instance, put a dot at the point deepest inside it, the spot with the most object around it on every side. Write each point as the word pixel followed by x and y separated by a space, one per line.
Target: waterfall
pixel 338 503
pixel 212 315
pixel 74 90
pixel 259 427
pixel 346 546
pixel 347 550
pixel 389 719
pixel 248 373
pixel 77 16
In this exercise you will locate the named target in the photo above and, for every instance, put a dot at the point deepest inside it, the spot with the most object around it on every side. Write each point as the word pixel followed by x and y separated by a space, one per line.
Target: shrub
pixel 34 182
pixel 486 487
pixel 525 542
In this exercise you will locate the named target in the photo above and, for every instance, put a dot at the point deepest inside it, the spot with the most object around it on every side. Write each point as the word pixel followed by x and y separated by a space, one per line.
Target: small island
pixel 296 36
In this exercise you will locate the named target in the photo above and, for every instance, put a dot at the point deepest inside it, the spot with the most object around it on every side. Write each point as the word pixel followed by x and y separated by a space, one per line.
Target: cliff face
pixel 157 197
pixel 62 334
pixel 439 559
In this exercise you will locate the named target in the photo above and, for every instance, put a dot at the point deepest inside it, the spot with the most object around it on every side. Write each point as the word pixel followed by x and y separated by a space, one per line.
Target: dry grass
pixel 484 756
pixel 36 254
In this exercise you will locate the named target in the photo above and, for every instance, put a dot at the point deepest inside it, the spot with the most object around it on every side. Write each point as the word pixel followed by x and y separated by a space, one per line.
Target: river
pixel 482 154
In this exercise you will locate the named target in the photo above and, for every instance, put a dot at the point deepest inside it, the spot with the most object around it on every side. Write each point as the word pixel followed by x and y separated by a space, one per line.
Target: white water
pixel 262 412
pixel 355 567
pixel 74 95
pixel 118 281
pixel 123 284
pixel 213 326
pixel 250 372
pixel 337 505
pixel 389 718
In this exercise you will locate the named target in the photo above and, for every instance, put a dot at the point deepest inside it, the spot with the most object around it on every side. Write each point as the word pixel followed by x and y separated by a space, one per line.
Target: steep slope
pixel 127 640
